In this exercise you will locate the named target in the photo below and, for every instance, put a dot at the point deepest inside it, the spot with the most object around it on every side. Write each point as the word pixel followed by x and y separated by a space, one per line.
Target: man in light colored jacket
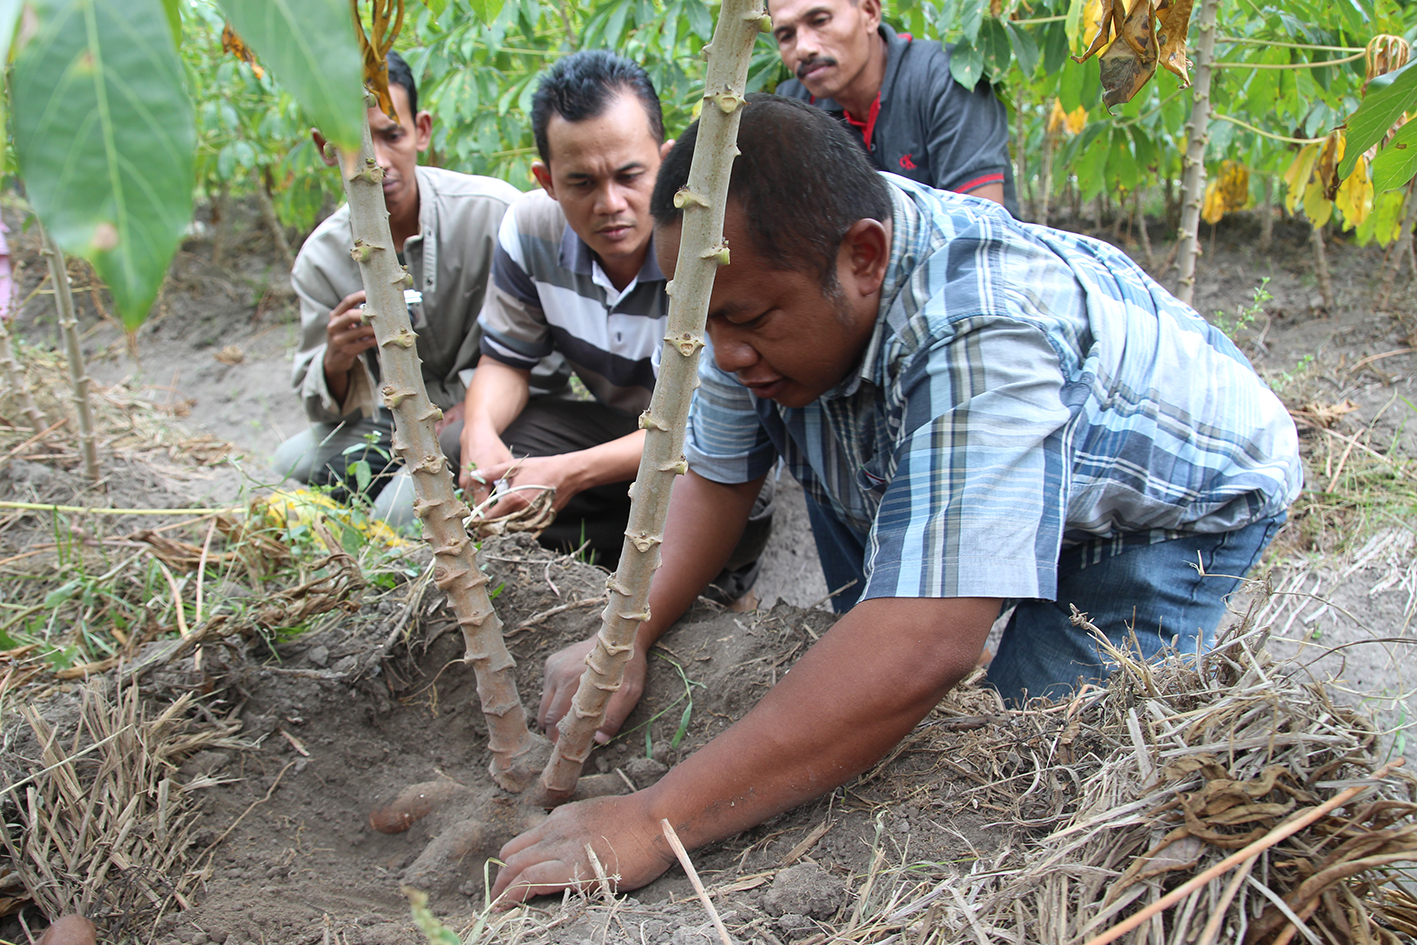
pixel 444 226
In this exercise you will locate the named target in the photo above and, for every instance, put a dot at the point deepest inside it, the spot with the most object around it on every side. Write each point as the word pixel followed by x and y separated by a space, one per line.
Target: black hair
pixel 800 179
pixel 582 85
pixel 401 74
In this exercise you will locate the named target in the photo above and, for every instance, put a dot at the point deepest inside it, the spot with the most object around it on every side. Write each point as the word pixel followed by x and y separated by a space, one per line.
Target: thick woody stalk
pixel 78 372
pixel 16 379
pixel 701 251
pixel 517 753
pixel 1197 136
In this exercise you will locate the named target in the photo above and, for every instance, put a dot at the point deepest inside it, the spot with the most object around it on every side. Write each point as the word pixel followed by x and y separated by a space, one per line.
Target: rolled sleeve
pixel 725 440
pixel 968 135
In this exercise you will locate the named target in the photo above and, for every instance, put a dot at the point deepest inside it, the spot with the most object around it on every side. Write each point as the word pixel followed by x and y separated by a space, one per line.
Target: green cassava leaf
pixel 436 7
pixel 966 64
pixel 173 9
pixel 1387 98
pixel 993 43
pixel 486 10
pixel 104 138
pixel 1396 163
pixel 310 47
pixel 9 17
pixel 1055 48
pixel 1025 49
pixel 971 17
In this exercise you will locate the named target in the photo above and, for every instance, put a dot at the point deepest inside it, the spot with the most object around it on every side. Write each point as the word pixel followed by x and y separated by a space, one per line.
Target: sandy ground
pixel 335 727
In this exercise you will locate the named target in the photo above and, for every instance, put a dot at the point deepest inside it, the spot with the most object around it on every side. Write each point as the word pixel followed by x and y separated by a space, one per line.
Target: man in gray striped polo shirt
pixel 575 273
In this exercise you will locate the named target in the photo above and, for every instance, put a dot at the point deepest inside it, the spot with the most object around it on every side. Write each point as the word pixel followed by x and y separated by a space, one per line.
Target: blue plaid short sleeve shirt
pixel 1024 390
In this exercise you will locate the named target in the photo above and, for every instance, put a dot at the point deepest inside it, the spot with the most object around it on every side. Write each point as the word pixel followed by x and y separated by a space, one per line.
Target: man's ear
pixel 866 252
pixel 542 173
pixel 871 12
pixel 665 148
pixel 326 155
pixel 423 129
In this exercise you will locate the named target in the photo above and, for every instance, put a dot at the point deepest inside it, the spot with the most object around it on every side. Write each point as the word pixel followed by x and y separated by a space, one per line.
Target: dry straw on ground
pixel 1118 799
pixel 103 826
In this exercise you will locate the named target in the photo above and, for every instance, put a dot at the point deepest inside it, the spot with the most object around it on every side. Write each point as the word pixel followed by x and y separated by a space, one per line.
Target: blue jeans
pixel 1156 591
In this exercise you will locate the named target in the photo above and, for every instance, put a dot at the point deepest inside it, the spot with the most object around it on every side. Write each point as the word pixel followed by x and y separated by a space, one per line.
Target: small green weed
pixel 686 697
pixel 1247 315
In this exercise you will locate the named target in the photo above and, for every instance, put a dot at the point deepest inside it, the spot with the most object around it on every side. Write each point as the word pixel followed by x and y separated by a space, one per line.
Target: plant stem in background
pixel 517 753
pixel 1193 166
pixel 1316 237
pixel 270 217
pixel 1267 215
pixel 701 251
pixel 15 377
pixel 1021 180
pixel 1046 191
pixel 1400 250
pixel 78 372
pixel 1140 212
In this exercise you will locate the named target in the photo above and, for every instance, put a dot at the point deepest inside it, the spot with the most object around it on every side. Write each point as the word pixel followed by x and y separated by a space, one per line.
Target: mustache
pixel 811 64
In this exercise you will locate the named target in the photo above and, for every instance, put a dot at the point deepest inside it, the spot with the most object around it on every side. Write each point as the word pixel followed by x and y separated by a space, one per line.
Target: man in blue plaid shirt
pixel 981 412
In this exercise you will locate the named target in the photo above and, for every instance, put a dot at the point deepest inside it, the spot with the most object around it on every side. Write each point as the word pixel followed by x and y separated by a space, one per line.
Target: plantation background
pixel 307 719
pixel 1285 75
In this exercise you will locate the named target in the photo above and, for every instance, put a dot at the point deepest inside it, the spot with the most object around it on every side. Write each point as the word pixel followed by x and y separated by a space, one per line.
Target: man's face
pixel 396 146
pixel 779 332
pixel 826 43
pixel 601 171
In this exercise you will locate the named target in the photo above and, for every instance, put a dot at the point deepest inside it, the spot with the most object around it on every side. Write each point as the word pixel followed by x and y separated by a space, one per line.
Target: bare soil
pixel 340 718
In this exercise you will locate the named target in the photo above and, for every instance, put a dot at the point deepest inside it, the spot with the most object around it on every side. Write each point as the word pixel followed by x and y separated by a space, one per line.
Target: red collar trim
pixel 867 127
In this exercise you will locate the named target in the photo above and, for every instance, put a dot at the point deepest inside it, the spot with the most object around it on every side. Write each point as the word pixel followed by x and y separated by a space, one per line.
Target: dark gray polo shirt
pixel 926 126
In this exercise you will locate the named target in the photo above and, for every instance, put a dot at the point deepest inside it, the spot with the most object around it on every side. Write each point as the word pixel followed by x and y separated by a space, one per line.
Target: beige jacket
pixel 450 260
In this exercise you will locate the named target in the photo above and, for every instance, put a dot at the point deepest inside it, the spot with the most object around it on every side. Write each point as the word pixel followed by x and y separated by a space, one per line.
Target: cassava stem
pixel 517 753
pixel 78 373
pixel 701 252
pixel 15 377
pixel 1197 136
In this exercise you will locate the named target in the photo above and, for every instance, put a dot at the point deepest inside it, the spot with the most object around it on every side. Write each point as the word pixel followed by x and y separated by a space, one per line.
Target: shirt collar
pixel 580 258
pixel 895 48
pixel 905 233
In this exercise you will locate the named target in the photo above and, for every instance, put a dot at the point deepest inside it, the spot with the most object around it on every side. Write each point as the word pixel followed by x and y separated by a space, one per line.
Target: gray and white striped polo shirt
pixel 549 293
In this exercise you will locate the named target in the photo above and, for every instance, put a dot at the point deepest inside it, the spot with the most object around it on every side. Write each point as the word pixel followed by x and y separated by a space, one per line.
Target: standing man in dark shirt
pixel 896 95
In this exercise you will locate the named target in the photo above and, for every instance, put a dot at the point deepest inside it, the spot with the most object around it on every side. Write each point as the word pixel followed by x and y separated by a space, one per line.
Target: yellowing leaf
pixel 1228 192
pixel 1296 179
pixel 1326 167
pixel 1096 25
pixel 1317 207
pixel 1113 13
pixel 1173 20
pixel 1214 207
pixel 1070 123
pixel 1355 195
pixel 1235 185
pixel 1387 216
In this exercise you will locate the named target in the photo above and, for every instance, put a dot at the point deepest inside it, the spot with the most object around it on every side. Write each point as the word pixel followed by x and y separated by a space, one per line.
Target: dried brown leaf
pixel 1129 63
pixel 1173 20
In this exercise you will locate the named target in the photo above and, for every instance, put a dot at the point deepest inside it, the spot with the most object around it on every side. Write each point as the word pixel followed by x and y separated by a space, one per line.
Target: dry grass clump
pixel 1228 777
pixel 103 823
pixel 124 422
